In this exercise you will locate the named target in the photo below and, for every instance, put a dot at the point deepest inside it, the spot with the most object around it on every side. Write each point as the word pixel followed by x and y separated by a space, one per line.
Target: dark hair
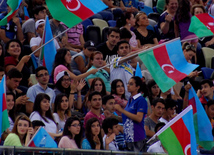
pixel 210 102
pixel 159 125
pixel 167 2
pixel 197 6
pixel 156 100
pixel 183 11
pixel 57 106
pixel 170 103
pixel 92 94
pixel 2 55
pixel 103 92
pixel 14 73
pixel 60 59
pixel 37 106
pixel 122 42
pixel 108 123
pixel 37 123
pixel 121 21
pixel 106 98
pixel 68 133
pixel 37 9
pixel 187 46
pixel 1 69
pixel 114 87
pixel 89 135
pixel 12 111
pixel 124 33
pixel 39 69
pixel 59 86
pixel 8 44
pixel 150 84
pixel 138 82
pixel 209 82
pixel 113 29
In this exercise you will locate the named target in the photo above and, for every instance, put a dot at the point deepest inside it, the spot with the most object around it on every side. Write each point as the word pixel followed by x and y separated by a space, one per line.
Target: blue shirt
pixel 36 89
pixel 134 131
pixel 86 144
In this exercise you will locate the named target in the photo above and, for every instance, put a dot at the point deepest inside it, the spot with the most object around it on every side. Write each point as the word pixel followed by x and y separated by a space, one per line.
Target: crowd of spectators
pixel 85 104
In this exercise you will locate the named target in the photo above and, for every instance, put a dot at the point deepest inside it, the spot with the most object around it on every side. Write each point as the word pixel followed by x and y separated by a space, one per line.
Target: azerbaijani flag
pixel 202 25
pixel 72 12
pixel 178 136
pixel 42 139
pixel 26 14
pixel 48 51
pixel 4 124
pixel 14 5
pixel 202 125
pixel 138 71
pixel 167 64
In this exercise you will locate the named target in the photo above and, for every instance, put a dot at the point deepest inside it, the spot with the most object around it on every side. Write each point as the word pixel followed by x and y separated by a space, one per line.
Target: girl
pixel 72 134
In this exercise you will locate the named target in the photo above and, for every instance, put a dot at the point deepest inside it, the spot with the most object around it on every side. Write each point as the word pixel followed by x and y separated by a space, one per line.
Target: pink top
pixel 66 142
pixel 133 40
pixel 91 115
pixel 57 70
pixel 121 102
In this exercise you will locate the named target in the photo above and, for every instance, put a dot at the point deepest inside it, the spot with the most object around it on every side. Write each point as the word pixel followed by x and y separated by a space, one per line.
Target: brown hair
pixel 137 17
pixel 93 54
pixel 187 46
pixel 197 6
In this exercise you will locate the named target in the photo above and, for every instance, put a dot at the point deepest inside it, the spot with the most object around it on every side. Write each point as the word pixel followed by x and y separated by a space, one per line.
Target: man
pixel 36 42
pixel 169 111
pixel 111 129
pixel 109 48
pixel 158 106
pixel 121 69
pixel 13 78
pixel 95 100
pixel 42 77
pixel 80 62
pixel 28 28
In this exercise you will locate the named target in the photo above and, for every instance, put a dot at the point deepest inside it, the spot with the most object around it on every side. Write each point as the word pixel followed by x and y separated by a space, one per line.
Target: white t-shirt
pixel 112 146
pixel 156 148
pixel 35 41
pixel 163 120
pixel 50 126
pixel 60 123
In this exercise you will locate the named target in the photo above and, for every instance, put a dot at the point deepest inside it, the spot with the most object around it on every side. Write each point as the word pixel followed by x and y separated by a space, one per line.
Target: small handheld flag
pixel 26 14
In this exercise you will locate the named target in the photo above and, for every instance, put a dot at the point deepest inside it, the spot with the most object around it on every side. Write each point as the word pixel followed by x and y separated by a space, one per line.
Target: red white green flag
pixel 178 136
pixel 202 25
pixel 4 124
pixel 14 5
pixel 167 64
pixel 72 12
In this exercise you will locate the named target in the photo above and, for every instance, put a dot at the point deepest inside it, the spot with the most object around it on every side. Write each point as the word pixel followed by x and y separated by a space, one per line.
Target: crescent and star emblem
pixel 187 148
pixel 168 65
pixel 68 6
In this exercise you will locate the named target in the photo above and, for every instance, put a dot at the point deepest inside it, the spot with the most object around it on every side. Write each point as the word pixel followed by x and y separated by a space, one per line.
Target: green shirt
pixel 12 140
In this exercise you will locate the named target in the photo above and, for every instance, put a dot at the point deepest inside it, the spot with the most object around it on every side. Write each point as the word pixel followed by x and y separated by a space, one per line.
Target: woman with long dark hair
pixel 93 135
pixel 72 134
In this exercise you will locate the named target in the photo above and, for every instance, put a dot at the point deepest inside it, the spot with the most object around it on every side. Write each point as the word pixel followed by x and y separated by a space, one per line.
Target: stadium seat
pixel 152 22
pixel 93 33
pixel 146 9
pixel 100 23
pixel 207 72
pixel 149 27
pixel 208 54
pixel 86 23
pixel 154 16
pixel 112 23
pixel 104 34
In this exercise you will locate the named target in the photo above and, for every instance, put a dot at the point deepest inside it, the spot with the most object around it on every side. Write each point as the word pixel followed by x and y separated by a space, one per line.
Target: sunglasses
pixel 190 47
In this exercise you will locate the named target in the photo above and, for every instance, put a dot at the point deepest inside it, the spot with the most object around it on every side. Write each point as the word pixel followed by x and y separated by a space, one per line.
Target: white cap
pixel 61 74
pixel 39 22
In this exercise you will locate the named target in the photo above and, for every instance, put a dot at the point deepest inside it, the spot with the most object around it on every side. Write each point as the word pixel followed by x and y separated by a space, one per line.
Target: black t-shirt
pixel 108 55
pixel 145 40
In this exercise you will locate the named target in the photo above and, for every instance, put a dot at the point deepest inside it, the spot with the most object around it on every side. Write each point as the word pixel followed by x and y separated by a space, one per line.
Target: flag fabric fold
pixel 178 136
pixel 72 12
pixel 167 64
pixel 14 5
pixel 202 123
pixel 4 124
pixel 42 139
pixel 48 51
pixel 138 71
pixel 26 14
pixel 202 25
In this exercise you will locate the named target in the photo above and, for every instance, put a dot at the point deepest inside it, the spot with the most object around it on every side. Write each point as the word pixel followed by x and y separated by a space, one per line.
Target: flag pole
pixel 49 41
pixel 141 51
pixel 176 118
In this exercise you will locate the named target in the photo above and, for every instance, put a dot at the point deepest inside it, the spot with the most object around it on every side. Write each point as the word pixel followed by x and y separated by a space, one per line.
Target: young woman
pixel 10 100
pixel 147 38
pixel 72 134
pixel 42 112
pixel 133 116
pixel 21 133
pixel 93 136
pixel 96 85
pixel 61 110
pixel 118 91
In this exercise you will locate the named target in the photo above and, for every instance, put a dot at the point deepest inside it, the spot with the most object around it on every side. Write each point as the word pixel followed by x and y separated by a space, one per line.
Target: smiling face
pixel 14 49
pixel 22 127
pixel 66 81
pixel 9 101
pixel 172 6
